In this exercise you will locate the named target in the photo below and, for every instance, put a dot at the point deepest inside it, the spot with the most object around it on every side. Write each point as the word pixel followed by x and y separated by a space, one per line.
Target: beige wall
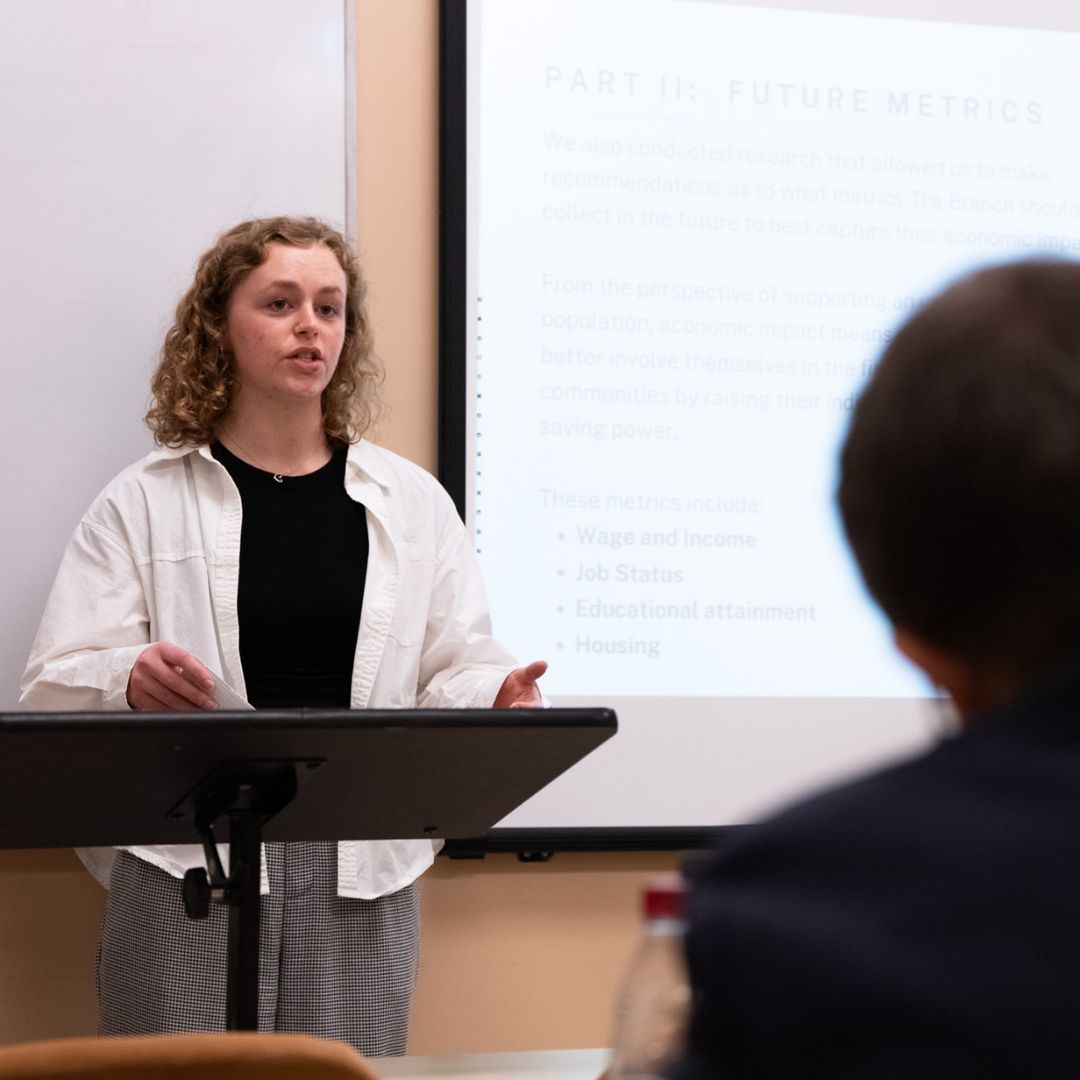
pixel 525 956
pixel 49 913
pixel 397 186
pixel 514 956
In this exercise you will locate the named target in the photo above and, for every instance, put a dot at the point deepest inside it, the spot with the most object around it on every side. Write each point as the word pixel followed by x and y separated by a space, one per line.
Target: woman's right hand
pixel 165 678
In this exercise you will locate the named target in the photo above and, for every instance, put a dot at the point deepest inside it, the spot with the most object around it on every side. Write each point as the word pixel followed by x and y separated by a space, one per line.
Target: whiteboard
pixel 133 133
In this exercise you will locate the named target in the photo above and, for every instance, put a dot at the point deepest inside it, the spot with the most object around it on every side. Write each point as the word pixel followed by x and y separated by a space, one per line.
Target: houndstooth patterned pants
pixel 330 966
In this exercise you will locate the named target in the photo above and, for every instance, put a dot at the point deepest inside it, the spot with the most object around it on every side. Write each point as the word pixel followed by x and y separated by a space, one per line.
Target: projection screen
pixel 677 235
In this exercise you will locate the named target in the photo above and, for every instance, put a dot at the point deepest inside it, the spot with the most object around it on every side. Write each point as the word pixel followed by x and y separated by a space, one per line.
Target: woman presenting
pixel 269 545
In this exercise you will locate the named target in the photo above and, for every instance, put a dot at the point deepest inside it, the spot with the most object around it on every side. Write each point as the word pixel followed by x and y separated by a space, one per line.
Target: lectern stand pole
pixel 249 794
pixel 245 862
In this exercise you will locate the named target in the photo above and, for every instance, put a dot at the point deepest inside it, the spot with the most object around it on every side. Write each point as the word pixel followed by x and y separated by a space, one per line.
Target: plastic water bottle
pixel 653 1003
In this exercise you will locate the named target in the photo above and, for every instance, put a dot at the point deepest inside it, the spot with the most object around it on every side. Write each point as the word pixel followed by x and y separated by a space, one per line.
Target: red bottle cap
pixel 664 901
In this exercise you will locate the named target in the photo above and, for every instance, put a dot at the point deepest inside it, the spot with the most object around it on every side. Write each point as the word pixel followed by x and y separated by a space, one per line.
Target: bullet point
pixel 558 644
pixel 562 536
pixel 560 609
pixel 561 573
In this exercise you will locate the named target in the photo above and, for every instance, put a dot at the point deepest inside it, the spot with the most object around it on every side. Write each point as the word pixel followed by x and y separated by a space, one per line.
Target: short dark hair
pixel 960 474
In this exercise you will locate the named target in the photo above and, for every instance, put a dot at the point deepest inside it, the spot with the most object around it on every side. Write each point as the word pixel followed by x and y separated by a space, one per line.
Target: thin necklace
pixel 279 477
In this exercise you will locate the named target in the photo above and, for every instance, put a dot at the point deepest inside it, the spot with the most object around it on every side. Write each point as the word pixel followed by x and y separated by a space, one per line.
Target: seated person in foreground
pixel 925 922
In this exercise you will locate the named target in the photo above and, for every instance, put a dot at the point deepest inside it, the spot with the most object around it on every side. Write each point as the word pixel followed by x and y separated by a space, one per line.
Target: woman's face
pixel 285 325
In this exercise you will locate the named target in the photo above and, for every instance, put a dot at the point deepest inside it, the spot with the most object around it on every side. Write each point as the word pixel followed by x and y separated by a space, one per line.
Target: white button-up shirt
pixel 157 558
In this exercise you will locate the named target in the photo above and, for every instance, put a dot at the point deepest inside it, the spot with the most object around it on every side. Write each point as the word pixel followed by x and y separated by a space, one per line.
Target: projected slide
pixel 698 225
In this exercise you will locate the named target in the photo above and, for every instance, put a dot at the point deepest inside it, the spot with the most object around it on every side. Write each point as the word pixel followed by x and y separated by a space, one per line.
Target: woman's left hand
pixel 519 689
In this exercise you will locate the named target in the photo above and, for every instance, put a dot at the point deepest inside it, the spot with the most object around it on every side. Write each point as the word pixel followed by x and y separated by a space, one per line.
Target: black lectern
pixel 105 778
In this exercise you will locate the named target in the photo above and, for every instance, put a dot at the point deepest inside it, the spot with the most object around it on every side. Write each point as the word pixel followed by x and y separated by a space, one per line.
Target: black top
pixel 303 559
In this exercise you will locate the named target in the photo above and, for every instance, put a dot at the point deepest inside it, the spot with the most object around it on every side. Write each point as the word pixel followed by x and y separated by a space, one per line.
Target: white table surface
pixel 519 1065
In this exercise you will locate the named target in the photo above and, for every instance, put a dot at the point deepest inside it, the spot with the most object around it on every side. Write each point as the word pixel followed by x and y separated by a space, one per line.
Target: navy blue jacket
pixel 923 922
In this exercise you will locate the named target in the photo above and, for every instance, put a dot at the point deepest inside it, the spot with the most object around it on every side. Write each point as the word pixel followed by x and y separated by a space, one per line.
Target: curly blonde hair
pixel 193 385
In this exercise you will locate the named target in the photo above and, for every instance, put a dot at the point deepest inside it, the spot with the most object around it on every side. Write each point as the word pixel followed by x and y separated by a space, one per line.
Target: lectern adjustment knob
pixel 196 891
